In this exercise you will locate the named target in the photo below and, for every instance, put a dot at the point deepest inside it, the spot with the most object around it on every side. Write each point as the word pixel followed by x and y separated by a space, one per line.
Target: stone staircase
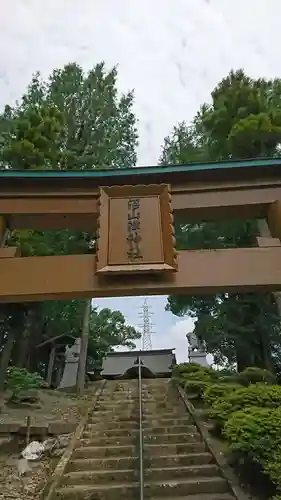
pixel 105 463
pixel 176 462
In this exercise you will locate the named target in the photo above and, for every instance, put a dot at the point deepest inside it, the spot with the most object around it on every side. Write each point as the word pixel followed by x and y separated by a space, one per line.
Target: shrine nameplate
pixel 135 230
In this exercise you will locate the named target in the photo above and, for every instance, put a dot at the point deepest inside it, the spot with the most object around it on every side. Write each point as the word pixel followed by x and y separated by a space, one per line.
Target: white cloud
pixel 171 53
pixel 176 337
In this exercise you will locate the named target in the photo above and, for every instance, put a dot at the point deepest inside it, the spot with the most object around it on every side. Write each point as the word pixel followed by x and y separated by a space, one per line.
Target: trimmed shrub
pixel 259 395
pixel 20 381
pixel 196 387
pixel 227 372
pixel 254 375
pixel 194 370
pixel 214 392
pixel 256 433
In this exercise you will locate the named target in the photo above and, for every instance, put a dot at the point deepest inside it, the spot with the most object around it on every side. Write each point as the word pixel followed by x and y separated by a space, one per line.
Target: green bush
pixel 227 372
pixel 194 370
pixel 228 376
pixel 196 387
pixel 259 395
pixel 214 392
pixel 256 433
pixel 20 381
pixel 254 375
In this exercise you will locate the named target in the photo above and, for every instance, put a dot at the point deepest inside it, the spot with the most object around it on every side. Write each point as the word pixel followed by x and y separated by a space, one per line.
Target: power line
pixel 146 326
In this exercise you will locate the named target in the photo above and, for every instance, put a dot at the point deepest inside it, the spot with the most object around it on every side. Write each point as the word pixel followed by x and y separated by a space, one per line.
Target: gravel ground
pixel 16 487
pixel 52 406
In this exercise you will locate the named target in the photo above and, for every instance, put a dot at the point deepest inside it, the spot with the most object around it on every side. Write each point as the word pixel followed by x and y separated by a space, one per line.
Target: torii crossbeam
pixel 133 210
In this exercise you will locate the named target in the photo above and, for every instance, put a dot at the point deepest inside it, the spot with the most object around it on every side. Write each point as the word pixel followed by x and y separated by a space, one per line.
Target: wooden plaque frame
pixel 168 261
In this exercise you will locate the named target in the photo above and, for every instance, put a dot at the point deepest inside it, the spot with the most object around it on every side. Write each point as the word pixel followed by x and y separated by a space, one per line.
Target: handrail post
pixel 141 431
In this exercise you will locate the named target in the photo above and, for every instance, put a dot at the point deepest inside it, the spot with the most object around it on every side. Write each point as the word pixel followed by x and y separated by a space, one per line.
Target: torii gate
pixel 132 210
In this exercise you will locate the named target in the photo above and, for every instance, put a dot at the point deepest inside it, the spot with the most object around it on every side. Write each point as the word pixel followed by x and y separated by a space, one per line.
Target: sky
pixel 172 53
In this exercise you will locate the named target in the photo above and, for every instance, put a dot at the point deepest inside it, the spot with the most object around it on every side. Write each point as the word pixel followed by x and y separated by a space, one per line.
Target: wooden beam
pixel 200 272
pixel 80 211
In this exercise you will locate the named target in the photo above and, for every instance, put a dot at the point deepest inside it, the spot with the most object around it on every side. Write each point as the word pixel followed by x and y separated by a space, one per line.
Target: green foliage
pixel 242 121
pixel 20 380
pixel 99 127
pixel 30 138
pixel 71 120
pixel 196 387
pixel 108 329
pixel 218 391
pixel 249 418
pixel 194 378
pixel 254 375
pixel 194 370
pixel 256 433
pixel 259 395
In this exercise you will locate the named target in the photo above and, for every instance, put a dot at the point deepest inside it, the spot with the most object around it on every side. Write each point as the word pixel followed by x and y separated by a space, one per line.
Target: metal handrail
pixel 141 431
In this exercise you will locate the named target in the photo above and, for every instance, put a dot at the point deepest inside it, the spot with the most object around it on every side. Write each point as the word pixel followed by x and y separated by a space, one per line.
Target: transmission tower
pixel 146 326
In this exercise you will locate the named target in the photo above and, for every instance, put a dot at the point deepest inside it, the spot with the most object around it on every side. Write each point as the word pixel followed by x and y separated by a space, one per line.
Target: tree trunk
pixel 6 355
pixel 265 352
pixel 23 343
pixel 52 356
pixel 84 348
pixel 4 231
pixel 244 358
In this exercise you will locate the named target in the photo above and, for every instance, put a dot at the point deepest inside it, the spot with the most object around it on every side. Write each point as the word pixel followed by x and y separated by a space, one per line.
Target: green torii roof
pixel 190 167
pixel 238 170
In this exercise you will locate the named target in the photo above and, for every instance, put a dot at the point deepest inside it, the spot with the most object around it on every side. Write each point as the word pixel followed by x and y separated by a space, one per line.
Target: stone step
pixel 163 414
pixel 83 464
pixel 156 387
pixel 152 406
pixel 101 492
pixel 113 423
pixel 163 422
pixel 179 460
pixel 145 399
pixel 181 472
pixel 104 451
pixel 152 450
pixel 100 477
pixel 159 393
pixel 92 431
pixel 115 410
pixel 89 440
pixel 185 487
pixel 173 429
pixel 206 496
pixel 146 411
pixel 148 407
pixel 130 491
pixel 102 405
pixel 101 413
pixel 113 419
pixel 171 438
